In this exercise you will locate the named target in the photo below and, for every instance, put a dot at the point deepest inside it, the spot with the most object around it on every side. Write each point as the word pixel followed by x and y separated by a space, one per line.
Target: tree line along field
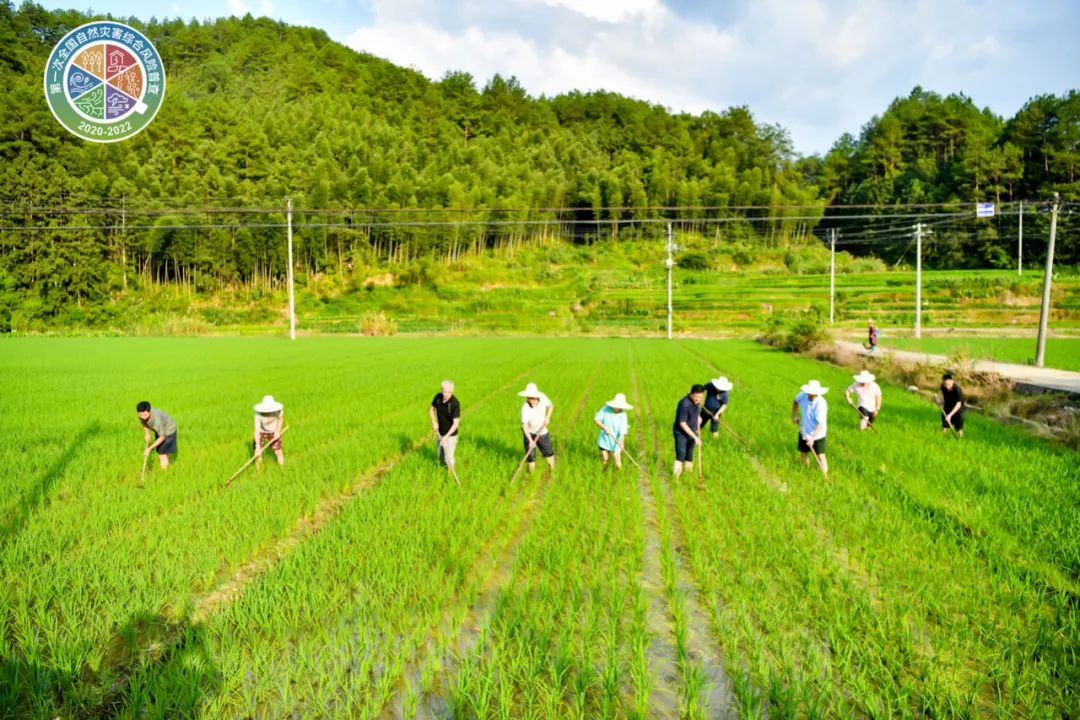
pixel 926 577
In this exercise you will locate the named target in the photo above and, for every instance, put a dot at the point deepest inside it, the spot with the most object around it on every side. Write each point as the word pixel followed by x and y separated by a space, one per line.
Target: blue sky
pixel 817 67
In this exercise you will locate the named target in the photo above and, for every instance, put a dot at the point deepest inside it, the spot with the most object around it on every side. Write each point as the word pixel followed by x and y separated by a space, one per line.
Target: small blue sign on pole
pixel 984 210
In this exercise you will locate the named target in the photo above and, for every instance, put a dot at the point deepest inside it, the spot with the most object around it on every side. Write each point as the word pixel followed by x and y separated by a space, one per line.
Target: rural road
pixel 1024 375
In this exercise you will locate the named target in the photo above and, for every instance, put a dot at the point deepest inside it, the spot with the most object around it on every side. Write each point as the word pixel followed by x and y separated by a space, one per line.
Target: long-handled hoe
pixel 624 452
pixel 947 420
pixel 254 457
pixel 145 459
pixel 820 464
pixel 449 467
pixel 532 446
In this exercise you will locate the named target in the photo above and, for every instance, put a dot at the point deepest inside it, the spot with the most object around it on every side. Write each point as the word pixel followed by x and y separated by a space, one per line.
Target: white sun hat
pixel 722 384
pixel 269 405
pixel 619 402
pixel 814 388
pixel 531 391
pixel 864 377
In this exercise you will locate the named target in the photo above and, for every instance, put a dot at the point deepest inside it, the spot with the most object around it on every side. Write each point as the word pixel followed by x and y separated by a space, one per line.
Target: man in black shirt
pixel 687 429
pixel 952 406
pixel 445 412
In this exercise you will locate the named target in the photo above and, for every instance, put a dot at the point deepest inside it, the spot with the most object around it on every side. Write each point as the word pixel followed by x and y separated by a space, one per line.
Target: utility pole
pixel 670 263
pixel 832 272
pixel 918 280
pixel 1048 278
pixel 123 235
pixel 1020 243
pixel 292 297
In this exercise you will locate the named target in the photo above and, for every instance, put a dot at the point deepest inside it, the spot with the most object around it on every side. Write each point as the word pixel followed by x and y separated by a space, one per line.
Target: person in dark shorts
pixel 716 403
pixel 868 394
pixel 535 417
pixel 952 405
pixel 811 413
pixel 686 429
pixel 269 424
pixel 445 412
pixel 164 429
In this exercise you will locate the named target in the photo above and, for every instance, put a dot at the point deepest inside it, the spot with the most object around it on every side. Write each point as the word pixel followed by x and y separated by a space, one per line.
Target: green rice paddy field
pixel 926 577
pixel 1061 352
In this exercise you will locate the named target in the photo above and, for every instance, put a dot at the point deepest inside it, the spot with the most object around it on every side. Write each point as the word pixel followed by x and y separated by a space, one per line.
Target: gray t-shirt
pixel 161 423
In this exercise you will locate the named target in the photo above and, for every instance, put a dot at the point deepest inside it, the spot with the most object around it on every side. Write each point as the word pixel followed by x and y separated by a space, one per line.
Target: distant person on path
pixel 614 426
pixel 868 394
pixel 952 405
pixel 535 418
pixel 716 403
pixel 269 423
pixel 164 428
pixel 445 413
pixel 810 412
pixel 872 336
pixel 687 429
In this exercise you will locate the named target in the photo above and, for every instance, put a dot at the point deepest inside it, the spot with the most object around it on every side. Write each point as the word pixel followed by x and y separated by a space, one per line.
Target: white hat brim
pixel 529 394
pixel 814 391
pixel 272 407
pixel 619 406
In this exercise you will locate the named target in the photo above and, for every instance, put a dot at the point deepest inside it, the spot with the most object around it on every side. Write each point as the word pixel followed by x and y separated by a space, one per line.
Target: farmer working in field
pixel 269 424
pixel 614 426
pixel 872 337
pixel 445 412
pixel 164 429
pixel 952 406
pixel 716 403
pixel 687 428
pixel 868 393
pixel 810 413
pixel 535 417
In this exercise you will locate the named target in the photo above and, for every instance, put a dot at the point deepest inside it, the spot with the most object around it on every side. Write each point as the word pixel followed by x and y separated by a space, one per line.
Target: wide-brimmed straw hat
pixel 864 377
pixel 814 388
pixel 269 405
pixel 619 403
pixel 531 391
pixel 722 384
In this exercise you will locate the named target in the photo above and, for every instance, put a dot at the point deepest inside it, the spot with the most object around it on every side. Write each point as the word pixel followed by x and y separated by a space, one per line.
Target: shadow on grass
pixel 38 491
pixel 153 668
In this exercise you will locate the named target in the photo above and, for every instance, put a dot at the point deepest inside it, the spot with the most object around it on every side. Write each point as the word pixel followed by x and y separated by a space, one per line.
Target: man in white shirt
pixel 810 412
pixel 868 393
pixel 535 418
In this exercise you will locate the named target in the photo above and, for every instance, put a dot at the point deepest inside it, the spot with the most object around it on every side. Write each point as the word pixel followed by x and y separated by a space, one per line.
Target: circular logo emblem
pixel 105 81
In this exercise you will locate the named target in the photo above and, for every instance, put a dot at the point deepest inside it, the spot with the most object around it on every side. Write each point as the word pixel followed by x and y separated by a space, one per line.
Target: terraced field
pixel 925 576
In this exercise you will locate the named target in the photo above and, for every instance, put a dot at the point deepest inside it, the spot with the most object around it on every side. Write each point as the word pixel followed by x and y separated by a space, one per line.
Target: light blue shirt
pixel 615 423
pixel 812 414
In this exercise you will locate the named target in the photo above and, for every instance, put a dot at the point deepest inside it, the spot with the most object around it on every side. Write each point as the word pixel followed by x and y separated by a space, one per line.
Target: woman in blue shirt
pixel 614 426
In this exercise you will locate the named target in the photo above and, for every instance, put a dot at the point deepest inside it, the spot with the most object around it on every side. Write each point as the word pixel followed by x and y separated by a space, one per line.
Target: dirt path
pixel 1022 375
pixel 717 698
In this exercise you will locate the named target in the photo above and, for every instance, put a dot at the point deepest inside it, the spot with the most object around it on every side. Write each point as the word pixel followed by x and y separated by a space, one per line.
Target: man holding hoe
pixel 716 403
pixel 687 429
pixel 810 412
pixel 535 417
pixel 445 412
pixel 164 429
pixel 868 393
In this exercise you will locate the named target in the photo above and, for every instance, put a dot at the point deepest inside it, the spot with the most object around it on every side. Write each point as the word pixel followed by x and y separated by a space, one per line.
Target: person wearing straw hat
pixel 868 393
pixel 269 422
pixel 535 418
pixel 445 412
pixel 716 402
pixel 164 428
pixel 810 412
pixel 687 429
pixel 614 426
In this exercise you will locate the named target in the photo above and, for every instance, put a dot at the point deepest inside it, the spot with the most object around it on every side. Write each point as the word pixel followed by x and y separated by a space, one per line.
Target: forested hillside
pixel 257 111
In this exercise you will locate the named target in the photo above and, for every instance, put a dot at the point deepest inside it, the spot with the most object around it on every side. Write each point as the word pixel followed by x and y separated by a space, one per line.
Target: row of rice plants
pixel 76 583
pixel 880 602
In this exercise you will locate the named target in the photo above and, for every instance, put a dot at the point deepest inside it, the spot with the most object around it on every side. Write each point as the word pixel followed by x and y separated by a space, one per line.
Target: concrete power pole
pixel 918 280
pixel 670 263
pixel 1048 279
pixel 292 296
pixel 832 273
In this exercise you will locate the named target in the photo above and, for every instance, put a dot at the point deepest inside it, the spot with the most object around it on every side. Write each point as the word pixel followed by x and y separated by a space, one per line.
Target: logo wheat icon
pixel 104 81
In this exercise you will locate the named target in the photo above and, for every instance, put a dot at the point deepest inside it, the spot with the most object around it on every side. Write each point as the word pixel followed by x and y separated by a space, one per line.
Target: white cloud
pixel 817 67
pixel 238 8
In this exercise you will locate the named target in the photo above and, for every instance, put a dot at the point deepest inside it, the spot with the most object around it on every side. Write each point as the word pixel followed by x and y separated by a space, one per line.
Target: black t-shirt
pixel 715 398
pixel 688 413
pixel 446 412
pixel 951 397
